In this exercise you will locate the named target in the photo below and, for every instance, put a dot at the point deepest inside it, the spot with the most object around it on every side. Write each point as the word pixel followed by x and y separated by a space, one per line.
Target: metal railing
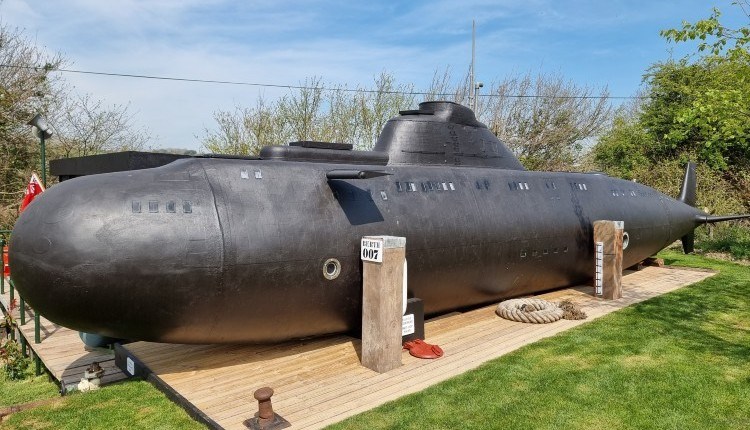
pixel 4 234
pixel 3 241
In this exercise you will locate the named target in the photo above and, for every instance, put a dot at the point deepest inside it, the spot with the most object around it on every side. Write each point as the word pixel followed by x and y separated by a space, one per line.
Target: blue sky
pixel 594 43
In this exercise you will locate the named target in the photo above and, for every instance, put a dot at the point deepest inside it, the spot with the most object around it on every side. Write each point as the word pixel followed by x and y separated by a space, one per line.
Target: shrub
pixel 14 365
pixel 732 239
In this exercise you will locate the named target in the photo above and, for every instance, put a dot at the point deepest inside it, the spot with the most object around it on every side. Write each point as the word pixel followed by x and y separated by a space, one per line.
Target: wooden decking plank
pixel 259 365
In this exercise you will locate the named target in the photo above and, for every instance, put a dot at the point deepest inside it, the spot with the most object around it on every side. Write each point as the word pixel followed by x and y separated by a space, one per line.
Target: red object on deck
pixel 421 349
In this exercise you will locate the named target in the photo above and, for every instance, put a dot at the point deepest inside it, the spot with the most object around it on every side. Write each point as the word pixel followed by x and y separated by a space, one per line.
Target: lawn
pixel 678 361
pixel 126 405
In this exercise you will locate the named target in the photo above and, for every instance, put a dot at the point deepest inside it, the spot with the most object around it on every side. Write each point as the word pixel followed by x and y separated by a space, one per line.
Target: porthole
pixel 625 240
pixel 331 269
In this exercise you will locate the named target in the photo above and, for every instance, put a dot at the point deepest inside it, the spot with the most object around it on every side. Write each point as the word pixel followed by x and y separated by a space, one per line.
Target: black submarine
pixel 239 250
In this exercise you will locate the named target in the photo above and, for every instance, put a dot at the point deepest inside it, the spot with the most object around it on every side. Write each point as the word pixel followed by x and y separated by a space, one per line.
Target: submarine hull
pixel 232 250
pixel 217 255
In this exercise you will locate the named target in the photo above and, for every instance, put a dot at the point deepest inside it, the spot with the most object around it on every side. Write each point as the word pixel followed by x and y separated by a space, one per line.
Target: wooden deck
pixel 319 382
pixel 61 350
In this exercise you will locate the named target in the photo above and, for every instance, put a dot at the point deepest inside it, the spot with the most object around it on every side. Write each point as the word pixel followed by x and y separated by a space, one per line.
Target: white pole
pixel 472 91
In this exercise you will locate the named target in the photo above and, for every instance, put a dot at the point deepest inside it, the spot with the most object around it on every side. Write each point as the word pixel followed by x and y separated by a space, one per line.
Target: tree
pixel 546 120
pixel 696 109
pixel 314 112
pixel 622 151
pixel 701 109
pixel 85 126
pixel 716 39
pixel 26 88
pixel 81 124
pixel 703 106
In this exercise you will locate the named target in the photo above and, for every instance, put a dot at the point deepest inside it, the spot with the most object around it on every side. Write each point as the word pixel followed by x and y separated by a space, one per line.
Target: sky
pixel 594 43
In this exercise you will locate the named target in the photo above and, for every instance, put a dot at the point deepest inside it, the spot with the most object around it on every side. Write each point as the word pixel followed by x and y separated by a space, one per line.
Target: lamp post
pixel 43 132
pixel 477 86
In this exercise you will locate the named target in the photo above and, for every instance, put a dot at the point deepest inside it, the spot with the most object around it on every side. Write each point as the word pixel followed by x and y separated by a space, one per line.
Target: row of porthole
pixel 426 186
pixel 169 207
pixel 580 186
pixel 485 184
pixel 623 193
pixel 546 251
pixel 514 186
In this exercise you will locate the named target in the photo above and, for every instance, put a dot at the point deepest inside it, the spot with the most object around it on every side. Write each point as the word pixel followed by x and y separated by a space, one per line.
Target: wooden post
pixel 608 257
pixel 382 301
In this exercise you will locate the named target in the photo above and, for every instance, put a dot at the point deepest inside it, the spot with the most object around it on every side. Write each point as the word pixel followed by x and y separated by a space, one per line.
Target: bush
pixel 732 239
pixel 14 365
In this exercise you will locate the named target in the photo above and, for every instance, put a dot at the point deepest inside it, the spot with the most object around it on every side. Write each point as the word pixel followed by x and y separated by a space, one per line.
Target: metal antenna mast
pixel 474 86
pixel 472 91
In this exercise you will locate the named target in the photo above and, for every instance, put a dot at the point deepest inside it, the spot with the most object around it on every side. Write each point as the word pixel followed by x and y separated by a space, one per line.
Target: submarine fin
pixel 355 174
pixel 687 194
pixel 688 242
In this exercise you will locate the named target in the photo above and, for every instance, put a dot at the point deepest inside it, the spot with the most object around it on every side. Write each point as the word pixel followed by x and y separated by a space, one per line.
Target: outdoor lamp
pixel 43 131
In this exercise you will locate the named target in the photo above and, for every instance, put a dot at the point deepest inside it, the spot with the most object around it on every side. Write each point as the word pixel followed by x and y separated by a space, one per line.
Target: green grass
pixel 677 361
pixel 26 390
pixel 127 405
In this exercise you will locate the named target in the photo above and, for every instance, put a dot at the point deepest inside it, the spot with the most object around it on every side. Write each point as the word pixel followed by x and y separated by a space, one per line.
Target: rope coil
pixel 535 311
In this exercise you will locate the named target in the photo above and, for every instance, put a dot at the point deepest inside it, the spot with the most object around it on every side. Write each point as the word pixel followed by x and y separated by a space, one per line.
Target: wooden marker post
pixel 608 257
pixel 382 301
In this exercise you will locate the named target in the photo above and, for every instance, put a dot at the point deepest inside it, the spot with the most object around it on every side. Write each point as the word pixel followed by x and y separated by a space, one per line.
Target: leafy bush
pixel 14 365
pixel 732 239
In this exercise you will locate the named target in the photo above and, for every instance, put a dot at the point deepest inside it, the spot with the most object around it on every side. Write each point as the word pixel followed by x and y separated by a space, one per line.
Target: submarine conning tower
pixel 443 133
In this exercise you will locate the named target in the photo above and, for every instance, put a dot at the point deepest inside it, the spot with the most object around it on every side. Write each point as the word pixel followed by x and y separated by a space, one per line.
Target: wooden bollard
pixel 382 301
pixel 608 259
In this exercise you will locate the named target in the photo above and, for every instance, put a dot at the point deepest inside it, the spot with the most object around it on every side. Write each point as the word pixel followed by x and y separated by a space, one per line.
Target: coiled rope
pixel 536 311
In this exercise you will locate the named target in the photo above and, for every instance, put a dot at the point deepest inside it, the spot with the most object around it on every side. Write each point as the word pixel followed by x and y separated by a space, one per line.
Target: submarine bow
pixel 115 254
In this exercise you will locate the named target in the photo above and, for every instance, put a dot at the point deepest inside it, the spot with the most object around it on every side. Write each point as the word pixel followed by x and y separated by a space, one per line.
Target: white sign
pixel 599 257
pixel 131 366
pixel 372 250
pixel 407 325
